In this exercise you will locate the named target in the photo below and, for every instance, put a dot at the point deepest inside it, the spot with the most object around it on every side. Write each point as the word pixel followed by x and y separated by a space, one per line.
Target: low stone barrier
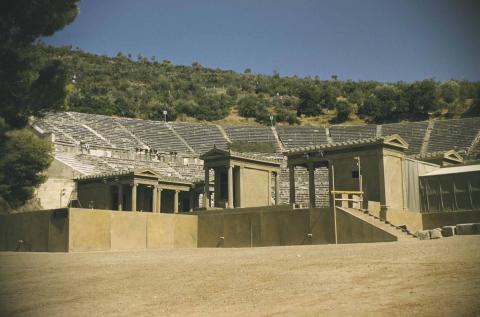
pixel 435 233
pixel 467 228
pixel 423 234
pixel 448 231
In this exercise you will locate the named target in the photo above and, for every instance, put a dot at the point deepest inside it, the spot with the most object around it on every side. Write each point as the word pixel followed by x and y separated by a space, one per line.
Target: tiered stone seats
pixel 67 128
pixel 156 134
pixel 190 172
pixel 161 168
pixel 90 165
pixel 251 134
pixel 201 137
pixel 412 132
pixel 83 163
pixel 341 133
pixel 474 153
pixel 127 134
pixel 110 129
pixel 456 134
pixel 48 126
pixel 301 136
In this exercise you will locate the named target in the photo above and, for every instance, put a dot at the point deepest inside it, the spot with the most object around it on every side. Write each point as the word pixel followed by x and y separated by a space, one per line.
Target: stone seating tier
pixel 201 137
pixel 342 133
pixel 110 129
pixel 196 139
pixel 412 132
pixel 301 136
pixel 456 134
pixel 156 134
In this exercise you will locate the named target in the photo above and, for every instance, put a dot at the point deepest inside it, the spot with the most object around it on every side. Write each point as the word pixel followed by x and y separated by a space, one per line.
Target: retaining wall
pixel 419 221
pixel 100 230
pixel 39 231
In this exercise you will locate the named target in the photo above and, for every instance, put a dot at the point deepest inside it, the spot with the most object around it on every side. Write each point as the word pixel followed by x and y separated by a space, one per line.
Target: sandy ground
pixel 419 278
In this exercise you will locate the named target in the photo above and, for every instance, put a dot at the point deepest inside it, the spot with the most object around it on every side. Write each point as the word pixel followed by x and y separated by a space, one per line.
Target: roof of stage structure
pixel 139 172
pixel 215 152
pixel 394 140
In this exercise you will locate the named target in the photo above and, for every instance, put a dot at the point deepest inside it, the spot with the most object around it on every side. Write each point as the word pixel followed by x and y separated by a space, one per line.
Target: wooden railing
pixel 348 198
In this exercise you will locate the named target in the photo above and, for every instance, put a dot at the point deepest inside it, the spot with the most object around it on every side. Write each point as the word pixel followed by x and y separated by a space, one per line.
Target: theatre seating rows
pixel 196 138
pixel 201 137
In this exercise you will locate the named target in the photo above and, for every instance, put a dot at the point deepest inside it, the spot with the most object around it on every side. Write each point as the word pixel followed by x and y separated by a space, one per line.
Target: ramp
pixel 356 225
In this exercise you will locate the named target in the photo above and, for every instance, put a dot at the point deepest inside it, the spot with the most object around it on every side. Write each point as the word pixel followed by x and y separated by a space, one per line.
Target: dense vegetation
pixel 29 85
pixel 144 88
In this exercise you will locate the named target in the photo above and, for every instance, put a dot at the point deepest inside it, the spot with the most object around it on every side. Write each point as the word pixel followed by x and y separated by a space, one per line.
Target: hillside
pixel 144 87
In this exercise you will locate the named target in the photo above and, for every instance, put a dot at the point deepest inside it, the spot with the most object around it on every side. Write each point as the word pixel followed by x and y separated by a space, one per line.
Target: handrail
pixel 352 192
pixel 348 193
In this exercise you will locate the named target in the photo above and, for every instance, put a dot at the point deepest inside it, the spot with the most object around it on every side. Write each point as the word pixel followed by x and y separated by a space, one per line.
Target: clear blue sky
pixel 381 40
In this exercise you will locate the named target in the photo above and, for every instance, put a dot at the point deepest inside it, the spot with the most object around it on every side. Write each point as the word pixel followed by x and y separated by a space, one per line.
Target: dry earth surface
pixel 414 278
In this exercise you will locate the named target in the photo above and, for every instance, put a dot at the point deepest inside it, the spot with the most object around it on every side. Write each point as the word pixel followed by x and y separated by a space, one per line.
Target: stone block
pixel 435 233
pixel 374 208
pixel 465 228
pixel 423 234
pixel 448 231
pixel 477 228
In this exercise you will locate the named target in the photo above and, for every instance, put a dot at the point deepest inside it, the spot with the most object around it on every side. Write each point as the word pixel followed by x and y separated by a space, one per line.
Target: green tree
pixel 213 107
pixel 310 101
pixel 28 86
pixel 22 157
pixel 449 91
pixel 24 21
pixel 422 96
pixel 385 102
pixel 343 110
pixel 251 106
pixel 22 80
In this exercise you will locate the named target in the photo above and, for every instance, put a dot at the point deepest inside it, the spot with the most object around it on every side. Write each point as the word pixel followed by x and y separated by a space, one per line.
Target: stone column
pixel 134 197
pixel 277 188
pixel 206 190
pixel 311 184
pixel 154 199
pixel 190 200
pixel 175 202
pixel 120 197
pixel 270 175
pixel 331 183
pixel 240 190
pixel 230 186
pixel 159 200
pixel 217 186
pixel 291 170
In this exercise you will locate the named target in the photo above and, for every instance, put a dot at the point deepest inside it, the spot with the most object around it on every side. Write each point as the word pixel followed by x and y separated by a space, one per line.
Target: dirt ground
pixel 422 278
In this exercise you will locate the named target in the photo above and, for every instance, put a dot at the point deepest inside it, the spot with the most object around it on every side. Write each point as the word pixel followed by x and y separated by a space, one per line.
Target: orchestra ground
pixel 426 278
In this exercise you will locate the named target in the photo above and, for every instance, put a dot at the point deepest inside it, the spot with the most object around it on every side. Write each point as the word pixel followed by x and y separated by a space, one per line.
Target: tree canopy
pixel 22 158
pixel 30 84
pixel 144 87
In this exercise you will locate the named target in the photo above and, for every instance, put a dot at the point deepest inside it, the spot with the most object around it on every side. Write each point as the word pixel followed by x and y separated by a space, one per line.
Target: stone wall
pixel 38 231
pixel 101 230
pixel 301 186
